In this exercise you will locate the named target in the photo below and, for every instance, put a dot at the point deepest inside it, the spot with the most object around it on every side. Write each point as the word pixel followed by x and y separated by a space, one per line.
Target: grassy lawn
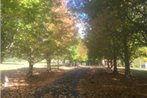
pixel 141 72
pixel 13 66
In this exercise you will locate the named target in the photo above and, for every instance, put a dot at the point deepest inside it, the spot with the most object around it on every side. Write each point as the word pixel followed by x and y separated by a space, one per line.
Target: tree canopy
pixel 118 30
pixel 36 30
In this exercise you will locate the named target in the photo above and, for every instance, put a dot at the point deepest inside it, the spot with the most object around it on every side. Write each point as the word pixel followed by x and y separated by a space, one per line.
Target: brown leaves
pixel 100 84
pixel 27 91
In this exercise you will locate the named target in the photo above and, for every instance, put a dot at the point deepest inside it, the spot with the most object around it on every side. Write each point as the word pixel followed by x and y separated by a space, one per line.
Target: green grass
pixel 140 69
pixel 13 65
pixel 137 72
pixel 143 69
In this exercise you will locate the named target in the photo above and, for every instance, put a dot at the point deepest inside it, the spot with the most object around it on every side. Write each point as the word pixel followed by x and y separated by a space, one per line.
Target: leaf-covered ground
pixel 76 83
pixel 65 86
pixel 20 86
pixel 56 84
pixel 101 83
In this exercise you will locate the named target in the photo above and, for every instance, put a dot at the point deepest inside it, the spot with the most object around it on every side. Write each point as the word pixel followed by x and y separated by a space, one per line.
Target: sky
pixel 75 7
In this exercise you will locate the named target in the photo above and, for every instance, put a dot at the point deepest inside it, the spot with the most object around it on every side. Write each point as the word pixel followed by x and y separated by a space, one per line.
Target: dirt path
pixel 64 87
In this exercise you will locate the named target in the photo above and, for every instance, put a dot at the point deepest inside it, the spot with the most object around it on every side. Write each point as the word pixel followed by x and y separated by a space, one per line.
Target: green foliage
pixel 72 49
pixel 118 29
pixel 9 23
pixel 35 29
pixel 143 51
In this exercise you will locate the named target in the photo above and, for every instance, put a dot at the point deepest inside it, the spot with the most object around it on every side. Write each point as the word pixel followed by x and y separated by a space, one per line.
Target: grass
pixel 10 66
pixel 139 72
pixel 144 69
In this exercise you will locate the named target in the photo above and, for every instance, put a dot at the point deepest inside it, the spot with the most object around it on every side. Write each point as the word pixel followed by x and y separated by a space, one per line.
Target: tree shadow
pixel 20 85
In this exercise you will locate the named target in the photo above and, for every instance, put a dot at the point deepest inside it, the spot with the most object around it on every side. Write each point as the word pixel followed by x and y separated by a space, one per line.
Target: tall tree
pixel 26 29
pixel 61 32
pixel 9 23
pixel 130 15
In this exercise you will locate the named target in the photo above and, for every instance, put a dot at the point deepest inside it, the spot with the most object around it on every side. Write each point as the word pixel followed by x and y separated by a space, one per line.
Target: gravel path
pixel 64 87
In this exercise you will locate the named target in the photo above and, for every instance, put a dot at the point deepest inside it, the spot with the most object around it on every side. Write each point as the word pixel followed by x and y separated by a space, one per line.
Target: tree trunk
pixel 108 64
pixel 94 61
pixel 126 60
pixel 64 61
pixel 71 63
pixel 127 65
pixel 58 64
pixel 2 58
pixel 30 73
pixel 115 71
pixel 111 63
pixel 48 60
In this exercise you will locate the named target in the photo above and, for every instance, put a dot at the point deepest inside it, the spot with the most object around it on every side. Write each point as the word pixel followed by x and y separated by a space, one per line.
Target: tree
pixel 61 32
pixel 82 51
pixel 9 23
pixel 43 30
pixel 26 47
pixel 28 26
pixel 103 38
pixel 121 28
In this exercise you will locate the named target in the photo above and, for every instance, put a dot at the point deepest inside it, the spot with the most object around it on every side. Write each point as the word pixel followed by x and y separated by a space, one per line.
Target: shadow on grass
pixel 135 72
pixel 19 85
pixel 18 73
pixel 139 73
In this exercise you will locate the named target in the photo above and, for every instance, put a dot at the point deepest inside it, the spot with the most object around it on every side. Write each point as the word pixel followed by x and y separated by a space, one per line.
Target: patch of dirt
pixel 101 83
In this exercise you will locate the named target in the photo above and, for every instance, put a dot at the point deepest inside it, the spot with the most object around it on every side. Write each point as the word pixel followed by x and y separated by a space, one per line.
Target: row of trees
pixel 36 30
pixel 118 29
